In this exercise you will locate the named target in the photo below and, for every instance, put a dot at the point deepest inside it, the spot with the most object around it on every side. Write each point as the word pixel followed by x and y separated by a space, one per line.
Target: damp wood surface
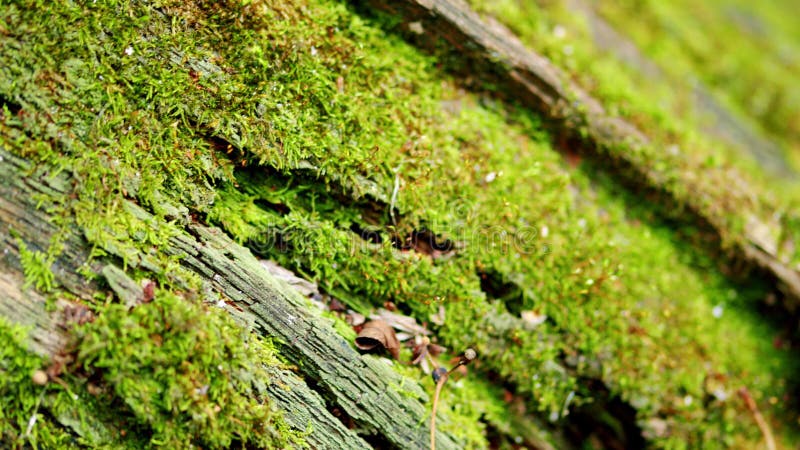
pixel 622 287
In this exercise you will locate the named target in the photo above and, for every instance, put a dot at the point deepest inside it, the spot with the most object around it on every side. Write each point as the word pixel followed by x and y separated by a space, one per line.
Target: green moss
pixel 684 158
pixel 36 266
pixel 185 372
pixel 718 42
pixel 22 418
pixel 287 124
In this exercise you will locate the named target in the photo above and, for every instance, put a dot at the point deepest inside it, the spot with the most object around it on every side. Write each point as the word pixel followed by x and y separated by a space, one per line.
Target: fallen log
pixel 491 53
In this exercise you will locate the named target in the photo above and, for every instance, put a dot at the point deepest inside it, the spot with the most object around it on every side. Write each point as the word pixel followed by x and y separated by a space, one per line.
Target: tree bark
pixel 363 386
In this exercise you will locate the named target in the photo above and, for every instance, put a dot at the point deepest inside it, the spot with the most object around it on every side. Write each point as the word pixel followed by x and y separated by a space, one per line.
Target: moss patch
pixel 22 418
pixel 185 372
pixel 291 125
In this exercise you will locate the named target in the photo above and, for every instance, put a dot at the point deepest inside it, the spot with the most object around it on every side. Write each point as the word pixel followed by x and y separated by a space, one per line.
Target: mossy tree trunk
pixel 362 387
pixel 338 397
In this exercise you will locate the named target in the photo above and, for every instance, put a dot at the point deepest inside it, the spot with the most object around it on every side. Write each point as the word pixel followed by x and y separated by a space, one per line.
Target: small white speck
pixel 129 51
pixel 313 51
pixel 1 159
pixel 416 27
pixel 589 282
pixel 582 223
pixel 544 231
pixel 559 32
pixel 532 319
pixel 221 303
pixel 688 400
pixel 490 177
pixel 717 311
pixel 568 50
pixel 31 423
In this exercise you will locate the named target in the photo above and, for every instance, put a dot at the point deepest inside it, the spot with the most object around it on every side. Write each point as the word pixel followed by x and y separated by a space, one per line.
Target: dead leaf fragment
pixel 401 322
pixel 378 333
pixel 355 319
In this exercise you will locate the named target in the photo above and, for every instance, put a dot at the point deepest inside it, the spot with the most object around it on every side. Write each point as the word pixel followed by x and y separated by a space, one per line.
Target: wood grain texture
pixel 382 405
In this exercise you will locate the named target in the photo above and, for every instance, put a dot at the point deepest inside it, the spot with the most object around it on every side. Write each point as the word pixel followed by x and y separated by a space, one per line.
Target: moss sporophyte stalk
pixel 313 134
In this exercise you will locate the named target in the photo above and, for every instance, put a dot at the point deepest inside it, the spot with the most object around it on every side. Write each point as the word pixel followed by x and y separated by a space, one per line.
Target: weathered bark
pixel 364 387
pixel 492 53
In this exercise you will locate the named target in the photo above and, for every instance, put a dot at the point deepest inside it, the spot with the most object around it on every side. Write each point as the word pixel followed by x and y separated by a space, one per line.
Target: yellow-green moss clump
pixel 293 124
pixel 186 373
pixel 20 398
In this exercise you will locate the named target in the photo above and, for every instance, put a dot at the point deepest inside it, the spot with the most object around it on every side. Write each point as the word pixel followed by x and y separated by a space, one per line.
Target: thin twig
pixel 394 195
pixel 32 420
pixel 441 376
pixel 439 385
pixel 760 421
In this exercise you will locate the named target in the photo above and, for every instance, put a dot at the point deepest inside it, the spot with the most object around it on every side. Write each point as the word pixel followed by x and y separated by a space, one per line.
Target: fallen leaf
pixel 355 319
pixel 401 322
pixel 378 333
pixel 422 350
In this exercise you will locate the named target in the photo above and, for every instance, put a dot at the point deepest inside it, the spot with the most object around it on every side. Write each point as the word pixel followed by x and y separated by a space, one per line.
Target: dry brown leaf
pixel 378 333
pixel 401 322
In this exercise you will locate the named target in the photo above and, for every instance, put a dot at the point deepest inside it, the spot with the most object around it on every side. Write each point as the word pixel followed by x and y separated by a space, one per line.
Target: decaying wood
pixel 492 53
pixel 363 387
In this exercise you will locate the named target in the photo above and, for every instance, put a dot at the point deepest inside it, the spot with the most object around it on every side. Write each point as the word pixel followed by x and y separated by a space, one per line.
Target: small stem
pixel 760 421
pixel 441 376
pixel 439 385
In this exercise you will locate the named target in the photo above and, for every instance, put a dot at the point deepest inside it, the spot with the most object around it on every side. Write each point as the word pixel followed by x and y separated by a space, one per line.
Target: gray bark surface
pixel 362 386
